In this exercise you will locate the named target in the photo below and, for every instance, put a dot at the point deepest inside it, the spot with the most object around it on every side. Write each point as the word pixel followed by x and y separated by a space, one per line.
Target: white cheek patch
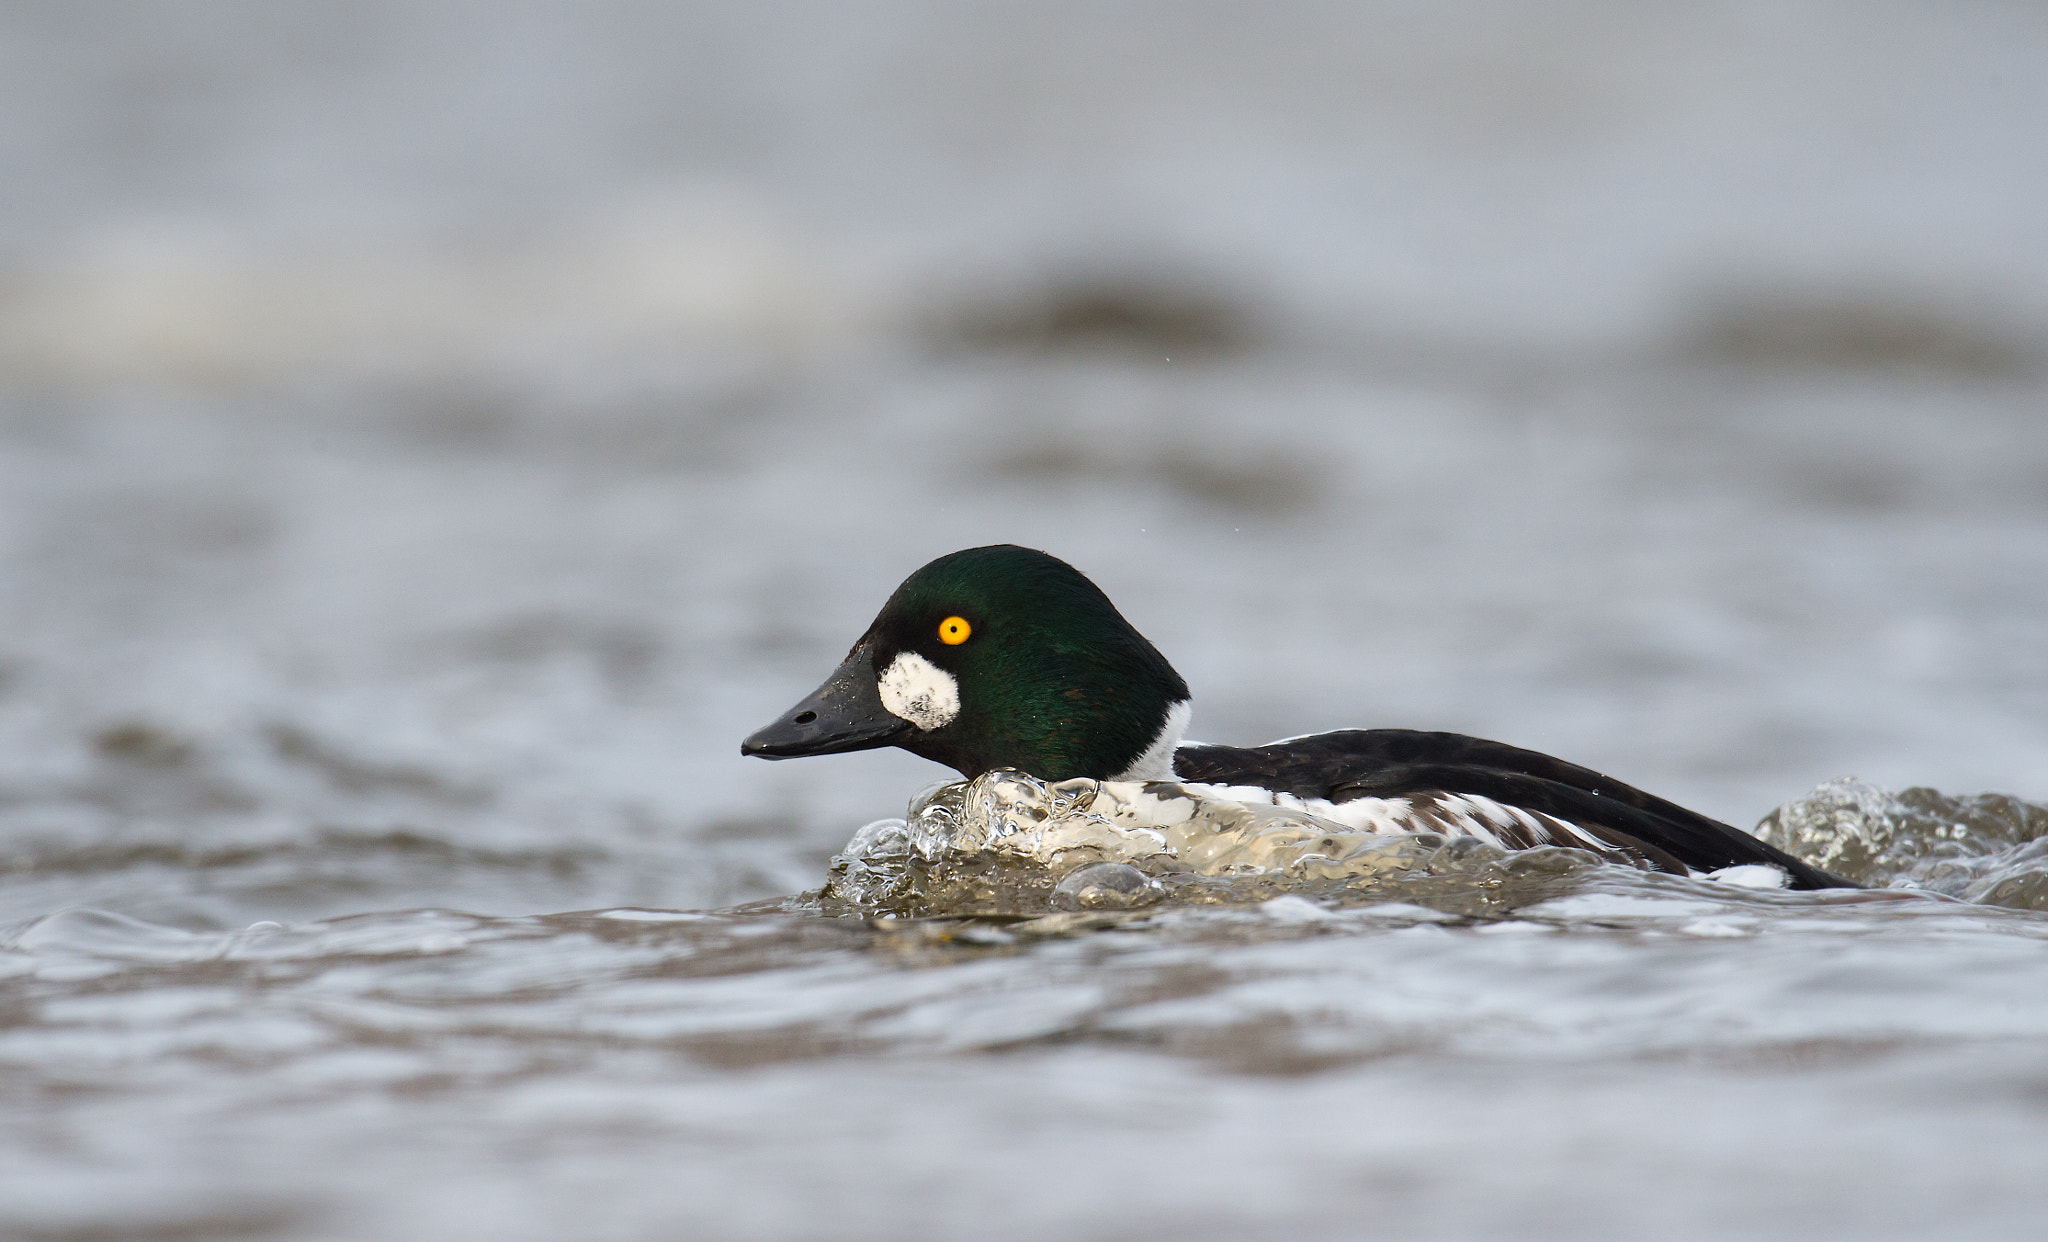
pixel 919 691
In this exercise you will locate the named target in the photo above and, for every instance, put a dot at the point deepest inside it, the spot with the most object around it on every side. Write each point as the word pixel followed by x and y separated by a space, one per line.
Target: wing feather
pixel 1511 797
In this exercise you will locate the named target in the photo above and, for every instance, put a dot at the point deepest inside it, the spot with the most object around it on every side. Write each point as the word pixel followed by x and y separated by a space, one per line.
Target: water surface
pixel 430 441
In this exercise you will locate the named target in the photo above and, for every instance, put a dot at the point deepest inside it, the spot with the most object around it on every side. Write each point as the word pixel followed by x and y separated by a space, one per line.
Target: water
pixel 1495 1055
pixel 430 441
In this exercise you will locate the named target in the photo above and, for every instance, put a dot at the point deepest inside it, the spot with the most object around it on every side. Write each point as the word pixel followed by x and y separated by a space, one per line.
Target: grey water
pixel 432 435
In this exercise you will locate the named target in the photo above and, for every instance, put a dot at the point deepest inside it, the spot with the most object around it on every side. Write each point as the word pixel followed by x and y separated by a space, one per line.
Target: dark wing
pixel 1393 763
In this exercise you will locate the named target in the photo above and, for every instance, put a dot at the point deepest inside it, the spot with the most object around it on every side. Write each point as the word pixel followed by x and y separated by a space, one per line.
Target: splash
pixel 1986 848
pixel 1008 843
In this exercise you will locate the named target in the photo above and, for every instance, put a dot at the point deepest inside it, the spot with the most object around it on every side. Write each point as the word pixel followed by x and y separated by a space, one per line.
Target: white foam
pixel 1010 813
pixel 1294 909
pixel 1618 906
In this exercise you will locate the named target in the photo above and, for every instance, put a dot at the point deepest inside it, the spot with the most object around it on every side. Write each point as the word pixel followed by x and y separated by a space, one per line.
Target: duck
pixel 1005 657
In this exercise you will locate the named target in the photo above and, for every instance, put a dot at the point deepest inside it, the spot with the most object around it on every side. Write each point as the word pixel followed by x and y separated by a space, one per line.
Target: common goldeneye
pixel 1005 657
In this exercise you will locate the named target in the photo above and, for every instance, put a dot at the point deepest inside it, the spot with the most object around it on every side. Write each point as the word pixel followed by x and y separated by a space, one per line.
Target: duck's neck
pixel 1156 764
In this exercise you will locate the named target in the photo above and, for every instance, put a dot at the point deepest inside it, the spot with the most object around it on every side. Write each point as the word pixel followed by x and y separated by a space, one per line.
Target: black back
pixel 1391 763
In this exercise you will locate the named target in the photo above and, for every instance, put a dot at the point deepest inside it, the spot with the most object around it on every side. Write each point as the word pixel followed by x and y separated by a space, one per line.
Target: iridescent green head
pixel 997 657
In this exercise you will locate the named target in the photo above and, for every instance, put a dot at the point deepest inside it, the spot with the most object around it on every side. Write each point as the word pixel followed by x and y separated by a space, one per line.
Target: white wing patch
pixel 919 691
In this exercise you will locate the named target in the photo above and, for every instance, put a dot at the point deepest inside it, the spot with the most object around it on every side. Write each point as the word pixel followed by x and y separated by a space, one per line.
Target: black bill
pixel 845 713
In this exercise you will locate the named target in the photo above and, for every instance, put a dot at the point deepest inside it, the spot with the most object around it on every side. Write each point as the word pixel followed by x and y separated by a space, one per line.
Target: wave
pixel 1008 844
pixel 1985 848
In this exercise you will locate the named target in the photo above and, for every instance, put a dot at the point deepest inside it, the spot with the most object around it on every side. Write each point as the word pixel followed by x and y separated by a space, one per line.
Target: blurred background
pixel 433 434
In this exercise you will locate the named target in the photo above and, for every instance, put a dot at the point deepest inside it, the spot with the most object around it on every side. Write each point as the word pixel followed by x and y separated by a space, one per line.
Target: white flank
pixel 1156 764
pixel 1752 875
pixel 1454 814
pixel 919 691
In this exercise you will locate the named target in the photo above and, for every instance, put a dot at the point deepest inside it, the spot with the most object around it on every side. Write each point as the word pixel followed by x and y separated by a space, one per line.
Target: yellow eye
pixel 954 630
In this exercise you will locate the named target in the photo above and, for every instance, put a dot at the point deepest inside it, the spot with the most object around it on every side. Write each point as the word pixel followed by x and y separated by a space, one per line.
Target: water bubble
pixel 885 838
pixel 1106 886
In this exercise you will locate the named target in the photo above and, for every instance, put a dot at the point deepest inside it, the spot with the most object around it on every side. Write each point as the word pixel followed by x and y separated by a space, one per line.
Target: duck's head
pixel 997 657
